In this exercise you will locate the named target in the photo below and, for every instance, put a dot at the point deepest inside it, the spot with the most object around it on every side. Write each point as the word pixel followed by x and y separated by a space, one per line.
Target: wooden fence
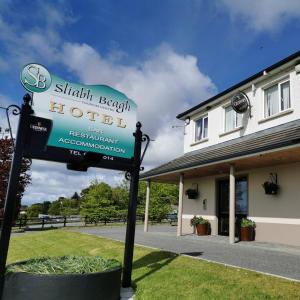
pixel 48 222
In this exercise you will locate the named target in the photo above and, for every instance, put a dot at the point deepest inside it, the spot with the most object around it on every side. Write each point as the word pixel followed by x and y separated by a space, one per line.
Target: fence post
pixel 65 221
pixel 43 223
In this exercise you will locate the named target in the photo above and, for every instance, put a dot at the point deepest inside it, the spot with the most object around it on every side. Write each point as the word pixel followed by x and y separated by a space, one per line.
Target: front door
pixel 241 203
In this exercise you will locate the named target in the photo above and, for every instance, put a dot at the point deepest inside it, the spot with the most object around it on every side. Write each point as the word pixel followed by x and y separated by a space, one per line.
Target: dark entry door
pixel 241 203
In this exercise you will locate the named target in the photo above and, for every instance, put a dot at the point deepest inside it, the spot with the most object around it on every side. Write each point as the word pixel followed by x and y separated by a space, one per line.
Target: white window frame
pixel 278 84
pixel 195 128
pixel 236 116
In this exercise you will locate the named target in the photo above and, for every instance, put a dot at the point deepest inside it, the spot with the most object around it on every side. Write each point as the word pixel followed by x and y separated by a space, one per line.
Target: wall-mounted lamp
pixel 204 202
pixel 187 121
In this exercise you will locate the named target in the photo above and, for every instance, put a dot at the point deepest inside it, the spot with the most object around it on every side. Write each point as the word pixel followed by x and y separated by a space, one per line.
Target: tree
pixel 64 207
pixel 97 203
pixel 55 208
pixel 162 196
pixel 6 154
pixel 46 205
pixel 34 210
pixel 75 196
pixel 120 195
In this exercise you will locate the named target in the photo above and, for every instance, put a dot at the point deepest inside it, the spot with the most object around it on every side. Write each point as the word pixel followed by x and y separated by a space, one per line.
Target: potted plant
pixel 191 193
pixel 247 230
pixel 66 277
pixel 201 224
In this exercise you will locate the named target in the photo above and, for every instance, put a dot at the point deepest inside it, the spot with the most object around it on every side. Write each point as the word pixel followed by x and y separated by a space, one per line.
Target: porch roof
pixel 275 138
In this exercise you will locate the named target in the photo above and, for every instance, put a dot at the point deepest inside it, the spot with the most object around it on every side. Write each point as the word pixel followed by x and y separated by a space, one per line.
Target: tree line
pixel 100 201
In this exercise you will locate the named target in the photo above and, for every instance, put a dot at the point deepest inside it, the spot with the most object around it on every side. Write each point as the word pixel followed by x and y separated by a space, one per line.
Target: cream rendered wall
pixel 286 204
pixel 191 207
pixel 250 125
pixel 277 216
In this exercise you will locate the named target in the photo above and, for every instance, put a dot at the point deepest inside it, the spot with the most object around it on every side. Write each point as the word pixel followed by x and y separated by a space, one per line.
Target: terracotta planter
pixel 247 234
pixel 202 229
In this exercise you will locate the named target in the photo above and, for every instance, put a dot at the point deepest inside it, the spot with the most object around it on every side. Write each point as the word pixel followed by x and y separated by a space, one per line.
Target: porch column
pixel 147 206
pixel 231 205
pixel 180 199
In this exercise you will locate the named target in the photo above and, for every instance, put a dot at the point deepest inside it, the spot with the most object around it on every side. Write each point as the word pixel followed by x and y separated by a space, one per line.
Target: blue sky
pixel 166 55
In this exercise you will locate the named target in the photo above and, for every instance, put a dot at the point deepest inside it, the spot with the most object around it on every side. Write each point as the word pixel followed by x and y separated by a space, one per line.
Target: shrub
pixel 198 220
pixel 247 223
pixel 64 265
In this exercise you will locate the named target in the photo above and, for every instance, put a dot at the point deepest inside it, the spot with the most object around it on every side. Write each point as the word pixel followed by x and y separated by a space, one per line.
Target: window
pixel 277 98
pixel 201 129
pixel 232 119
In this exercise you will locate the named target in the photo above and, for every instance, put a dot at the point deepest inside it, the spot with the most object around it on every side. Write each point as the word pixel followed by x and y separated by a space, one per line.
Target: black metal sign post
pixel 30 143
pixel 10 202
pixel 131 218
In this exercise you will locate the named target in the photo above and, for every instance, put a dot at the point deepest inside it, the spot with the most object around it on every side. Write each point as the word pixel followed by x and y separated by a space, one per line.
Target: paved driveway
pixel 270 258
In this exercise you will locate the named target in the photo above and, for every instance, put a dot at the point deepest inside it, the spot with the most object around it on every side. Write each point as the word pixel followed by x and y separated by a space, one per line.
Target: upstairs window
pixel 232 119
pixel 277 98
pixel 201 129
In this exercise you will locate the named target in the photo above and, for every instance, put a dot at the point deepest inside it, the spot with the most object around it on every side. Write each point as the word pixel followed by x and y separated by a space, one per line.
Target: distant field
pixel 159 274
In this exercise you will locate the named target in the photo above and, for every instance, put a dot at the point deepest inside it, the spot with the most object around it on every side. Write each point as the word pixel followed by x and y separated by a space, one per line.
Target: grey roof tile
pixel 275 137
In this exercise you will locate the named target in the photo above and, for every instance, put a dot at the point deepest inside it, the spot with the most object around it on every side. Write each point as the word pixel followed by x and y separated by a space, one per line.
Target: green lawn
pixel 159 274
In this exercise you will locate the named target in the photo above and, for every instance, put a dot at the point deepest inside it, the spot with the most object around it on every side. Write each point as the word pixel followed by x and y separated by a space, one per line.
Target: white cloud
pixel 263 15
pixel 167 145
pixel 51 180
pixel 163 84
pixel 4 103
pixel 22 42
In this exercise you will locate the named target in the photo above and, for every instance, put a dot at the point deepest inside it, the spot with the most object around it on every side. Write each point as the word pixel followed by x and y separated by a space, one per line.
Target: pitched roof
pixel 275 137
pixel 249 79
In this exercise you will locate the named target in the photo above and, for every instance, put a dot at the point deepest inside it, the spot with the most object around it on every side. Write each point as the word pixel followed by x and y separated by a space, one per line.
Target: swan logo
pixel 35 78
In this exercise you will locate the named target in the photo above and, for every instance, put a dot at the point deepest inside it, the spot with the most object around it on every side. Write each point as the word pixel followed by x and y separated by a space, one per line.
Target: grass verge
pixel 159 274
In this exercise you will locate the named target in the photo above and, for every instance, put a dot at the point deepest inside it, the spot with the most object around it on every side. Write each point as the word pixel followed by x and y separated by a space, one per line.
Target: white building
pixel 228 156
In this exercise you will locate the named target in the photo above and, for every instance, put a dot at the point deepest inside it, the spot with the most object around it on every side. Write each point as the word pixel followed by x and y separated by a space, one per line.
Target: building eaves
pixel 272 138
pixel 236 86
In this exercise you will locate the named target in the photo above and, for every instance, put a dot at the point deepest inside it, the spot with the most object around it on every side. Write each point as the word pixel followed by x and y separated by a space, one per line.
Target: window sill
pixel 231 131
pixel 278 115
pixel 199 142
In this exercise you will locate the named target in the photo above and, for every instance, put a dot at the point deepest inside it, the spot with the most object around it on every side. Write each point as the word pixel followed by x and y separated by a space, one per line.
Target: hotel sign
pixel 82 118
pixel 240 102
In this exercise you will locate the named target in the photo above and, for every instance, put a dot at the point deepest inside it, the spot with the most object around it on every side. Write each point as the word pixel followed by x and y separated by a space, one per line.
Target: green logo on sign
pixel 35 78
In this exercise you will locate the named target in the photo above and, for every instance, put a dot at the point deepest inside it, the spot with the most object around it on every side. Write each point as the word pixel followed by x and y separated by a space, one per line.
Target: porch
pixel 265 150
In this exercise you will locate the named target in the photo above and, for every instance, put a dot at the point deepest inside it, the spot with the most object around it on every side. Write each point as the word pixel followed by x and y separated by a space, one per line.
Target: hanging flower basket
pixel 192 194
pixel 270 188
